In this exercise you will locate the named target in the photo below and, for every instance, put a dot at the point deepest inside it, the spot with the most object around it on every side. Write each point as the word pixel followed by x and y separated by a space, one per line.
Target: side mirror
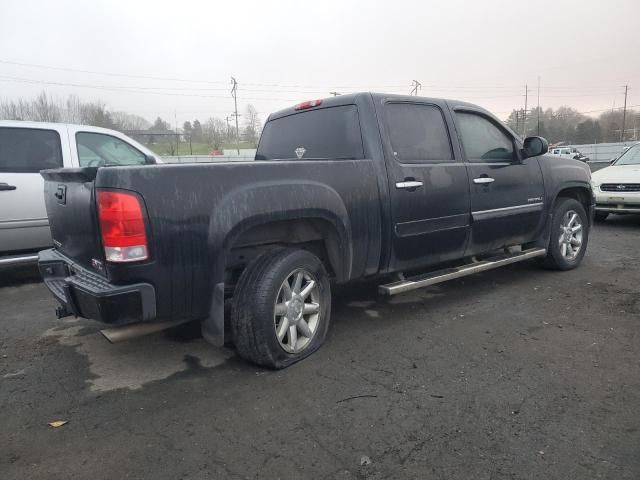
pixel 150 159
pixel 534 146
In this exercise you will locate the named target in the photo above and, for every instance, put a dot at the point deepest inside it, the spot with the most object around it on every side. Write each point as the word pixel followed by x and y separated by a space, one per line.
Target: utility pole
pixel 524 118
pixel 624 113
pixel 416 86
pixel 538 105
pixel 234 93
pixel 228 126
pixel 335 94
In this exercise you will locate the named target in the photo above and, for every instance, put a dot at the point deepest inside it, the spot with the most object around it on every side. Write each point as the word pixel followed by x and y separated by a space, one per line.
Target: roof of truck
pixel 353 98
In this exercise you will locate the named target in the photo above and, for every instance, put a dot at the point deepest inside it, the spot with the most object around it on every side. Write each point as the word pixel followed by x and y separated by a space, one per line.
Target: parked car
pixel 569 152
pixel 617 187
pixel 354 186
pixel 28 147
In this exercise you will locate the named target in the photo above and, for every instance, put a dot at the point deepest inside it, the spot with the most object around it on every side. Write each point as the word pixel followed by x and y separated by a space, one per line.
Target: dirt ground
pixel 518 373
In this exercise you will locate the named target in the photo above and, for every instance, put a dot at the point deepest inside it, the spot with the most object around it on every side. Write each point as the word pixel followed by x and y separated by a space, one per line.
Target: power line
pixel 321 88
pixel 132 89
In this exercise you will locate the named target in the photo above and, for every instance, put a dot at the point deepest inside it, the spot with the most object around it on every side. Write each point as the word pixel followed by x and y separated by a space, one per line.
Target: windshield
pixel 630 157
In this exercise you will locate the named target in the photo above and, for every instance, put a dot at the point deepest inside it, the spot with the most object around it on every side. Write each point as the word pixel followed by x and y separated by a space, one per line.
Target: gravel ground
pixel 515 373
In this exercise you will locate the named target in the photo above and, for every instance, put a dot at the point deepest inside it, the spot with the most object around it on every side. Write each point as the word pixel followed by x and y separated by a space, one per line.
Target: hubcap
pixel 570 239
pixel 297 311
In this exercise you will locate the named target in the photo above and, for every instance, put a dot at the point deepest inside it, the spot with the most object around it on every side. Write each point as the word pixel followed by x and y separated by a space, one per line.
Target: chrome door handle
pixel 6 186
pixel 409 184
pixel 484 180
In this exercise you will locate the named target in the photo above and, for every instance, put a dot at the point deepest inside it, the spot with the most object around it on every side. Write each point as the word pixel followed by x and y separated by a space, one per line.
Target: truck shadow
pixel 20 275
pixel 623 222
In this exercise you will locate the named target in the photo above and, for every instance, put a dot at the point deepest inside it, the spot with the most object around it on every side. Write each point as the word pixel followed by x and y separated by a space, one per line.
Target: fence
pixel 599 152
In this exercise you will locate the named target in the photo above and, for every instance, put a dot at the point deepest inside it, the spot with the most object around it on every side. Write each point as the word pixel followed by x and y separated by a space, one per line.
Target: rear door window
pixel 418 133
pixel 327 133
pixel 25 150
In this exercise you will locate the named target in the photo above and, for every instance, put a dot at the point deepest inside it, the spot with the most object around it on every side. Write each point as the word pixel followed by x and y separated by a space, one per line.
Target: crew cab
pixel 410 190
pixel 28 147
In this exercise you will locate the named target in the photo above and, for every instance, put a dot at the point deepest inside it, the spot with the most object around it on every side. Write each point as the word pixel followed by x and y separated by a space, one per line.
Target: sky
pixel 176 59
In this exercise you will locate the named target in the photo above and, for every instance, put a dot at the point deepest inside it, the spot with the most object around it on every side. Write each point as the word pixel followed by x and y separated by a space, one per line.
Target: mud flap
pixel 213 325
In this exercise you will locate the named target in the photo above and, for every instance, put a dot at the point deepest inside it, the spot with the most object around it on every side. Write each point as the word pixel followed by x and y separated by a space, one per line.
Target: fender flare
pixel 261 203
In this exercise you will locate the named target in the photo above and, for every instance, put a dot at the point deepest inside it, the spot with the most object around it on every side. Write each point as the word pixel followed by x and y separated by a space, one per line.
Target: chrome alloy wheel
pixel 297 311
pixel 570 235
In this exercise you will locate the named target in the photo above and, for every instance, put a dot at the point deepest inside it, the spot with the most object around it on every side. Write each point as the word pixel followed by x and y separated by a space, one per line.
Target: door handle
pixel 484 180
pixel 6 186
pixel 408 184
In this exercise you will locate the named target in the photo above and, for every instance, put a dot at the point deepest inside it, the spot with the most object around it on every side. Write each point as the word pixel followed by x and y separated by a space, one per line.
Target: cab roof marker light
pixel 308 104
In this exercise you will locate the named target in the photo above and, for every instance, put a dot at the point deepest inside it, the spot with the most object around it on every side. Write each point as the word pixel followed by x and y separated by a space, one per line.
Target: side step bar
pixel 440 276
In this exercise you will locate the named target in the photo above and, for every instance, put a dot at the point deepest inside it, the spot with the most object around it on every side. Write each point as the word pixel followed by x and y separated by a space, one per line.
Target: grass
pixel 196 148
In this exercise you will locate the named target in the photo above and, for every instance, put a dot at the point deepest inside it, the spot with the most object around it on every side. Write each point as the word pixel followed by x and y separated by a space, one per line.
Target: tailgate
pixel 70 200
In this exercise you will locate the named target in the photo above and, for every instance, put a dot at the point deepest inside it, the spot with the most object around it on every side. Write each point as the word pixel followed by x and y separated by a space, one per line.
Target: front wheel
pixel 281 308
pixel 569 235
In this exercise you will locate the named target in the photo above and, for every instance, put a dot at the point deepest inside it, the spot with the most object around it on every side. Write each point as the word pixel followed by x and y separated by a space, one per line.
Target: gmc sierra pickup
pixel 411 190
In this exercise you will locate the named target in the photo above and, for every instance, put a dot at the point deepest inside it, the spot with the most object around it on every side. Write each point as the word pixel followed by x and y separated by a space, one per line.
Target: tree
pixel 187 128
pixel 127 121
pixel 160 125
pixel 587 131
pixel 196 135
pixel 215 132
pixel 252 125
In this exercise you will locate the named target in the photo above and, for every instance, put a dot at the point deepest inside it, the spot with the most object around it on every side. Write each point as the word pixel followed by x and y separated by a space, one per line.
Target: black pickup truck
pixel 412 190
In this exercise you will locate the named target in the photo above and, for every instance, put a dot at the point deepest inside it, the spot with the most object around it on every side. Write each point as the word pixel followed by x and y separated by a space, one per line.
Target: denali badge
pixel 300 151
pixel 56 243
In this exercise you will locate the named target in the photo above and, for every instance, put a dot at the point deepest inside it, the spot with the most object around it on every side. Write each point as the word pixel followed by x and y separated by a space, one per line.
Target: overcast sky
pixel 282 52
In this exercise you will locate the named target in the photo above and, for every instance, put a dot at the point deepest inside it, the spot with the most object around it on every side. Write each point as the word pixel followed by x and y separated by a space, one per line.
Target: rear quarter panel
pixel 195 210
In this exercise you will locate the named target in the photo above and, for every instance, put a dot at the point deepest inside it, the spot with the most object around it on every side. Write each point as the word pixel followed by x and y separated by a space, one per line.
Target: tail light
pixel 121 217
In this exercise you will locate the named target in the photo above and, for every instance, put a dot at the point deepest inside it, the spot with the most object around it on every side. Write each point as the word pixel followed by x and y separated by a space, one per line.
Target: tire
pixel 601 216
pixel 566 258
pixel 260 307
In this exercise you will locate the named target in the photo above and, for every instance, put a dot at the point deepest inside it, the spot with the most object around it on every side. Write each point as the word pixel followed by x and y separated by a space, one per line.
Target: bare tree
pixel 252 125
pixel 215 132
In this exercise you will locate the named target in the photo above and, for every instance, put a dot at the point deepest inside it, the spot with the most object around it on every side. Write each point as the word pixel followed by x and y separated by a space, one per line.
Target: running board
pixel 440 276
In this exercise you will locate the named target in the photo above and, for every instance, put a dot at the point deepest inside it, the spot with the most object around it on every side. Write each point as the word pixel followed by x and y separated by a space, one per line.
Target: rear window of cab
pixel 324 133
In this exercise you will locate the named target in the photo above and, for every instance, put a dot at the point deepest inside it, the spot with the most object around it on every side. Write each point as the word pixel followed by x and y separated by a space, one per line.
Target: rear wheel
pixel 569 235
pixel 281 308
pixel 601 216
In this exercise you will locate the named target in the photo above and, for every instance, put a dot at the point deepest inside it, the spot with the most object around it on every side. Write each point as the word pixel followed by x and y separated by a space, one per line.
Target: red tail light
pixel 308 104
pixel 124 236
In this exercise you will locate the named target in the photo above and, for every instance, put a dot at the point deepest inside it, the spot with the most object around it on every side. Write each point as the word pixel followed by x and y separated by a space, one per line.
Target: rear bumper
pixel 83 293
